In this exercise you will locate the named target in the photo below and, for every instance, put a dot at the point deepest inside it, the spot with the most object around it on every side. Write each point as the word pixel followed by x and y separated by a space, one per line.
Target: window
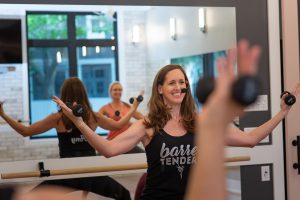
pixel 65 44
pixel 96 70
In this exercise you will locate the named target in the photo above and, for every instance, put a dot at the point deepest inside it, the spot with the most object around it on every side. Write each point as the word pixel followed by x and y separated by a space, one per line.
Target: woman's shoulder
pixel 126 104
pixel 105 107
pixel 55 119
pixel 55 116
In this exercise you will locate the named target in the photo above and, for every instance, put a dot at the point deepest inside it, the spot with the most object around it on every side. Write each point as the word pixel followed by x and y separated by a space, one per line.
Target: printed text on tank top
pixel 178 155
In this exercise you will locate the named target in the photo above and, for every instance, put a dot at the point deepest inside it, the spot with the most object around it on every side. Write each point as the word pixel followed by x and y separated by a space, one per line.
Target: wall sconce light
pixel 58 57
pixel 173 28
pixel 83 49
pixel 98 49
pixel 135 34
pixel 202 19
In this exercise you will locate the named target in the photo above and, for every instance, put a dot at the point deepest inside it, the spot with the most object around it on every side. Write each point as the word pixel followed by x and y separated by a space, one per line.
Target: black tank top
pixel 169 159
pixel 74 144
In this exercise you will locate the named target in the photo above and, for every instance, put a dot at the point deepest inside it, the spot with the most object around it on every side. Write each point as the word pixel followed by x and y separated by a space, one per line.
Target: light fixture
pixel 173 28
pixel 58 57
pixel 135 34
pixel 83 49
pixel 98 49
pixel 113 48
pixel 202 19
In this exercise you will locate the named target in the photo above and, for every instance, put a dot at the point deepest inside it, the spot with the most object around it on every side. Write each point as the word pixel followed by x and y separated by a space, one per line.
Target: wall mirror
pixel 124 42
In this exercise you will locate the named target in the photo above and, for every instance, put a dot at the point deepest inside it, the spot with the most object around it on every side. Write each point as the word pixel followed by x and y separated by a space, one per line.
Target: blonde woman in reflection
pixel 116 109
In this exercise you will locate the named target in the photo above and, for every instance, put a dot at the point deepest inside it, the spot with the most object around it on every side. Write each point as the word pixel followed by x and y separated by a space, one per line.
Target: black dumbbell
pixel 77 109
pixel 204 88
pixel 244 90
pixel 290 99
pixel 117 113
pixel 140 98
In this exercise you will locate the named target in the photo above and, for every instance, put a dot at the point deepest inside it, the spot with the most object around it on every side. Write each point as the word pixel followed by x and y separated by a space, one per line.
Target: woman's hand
pixel 284 107
pixel 136 103
pixel 221 108
pixel 66 110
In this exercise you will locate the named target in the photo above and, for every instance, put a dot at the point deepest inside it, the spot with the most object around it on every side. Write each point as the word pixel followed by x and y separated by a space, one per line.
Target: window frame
pixel 71 43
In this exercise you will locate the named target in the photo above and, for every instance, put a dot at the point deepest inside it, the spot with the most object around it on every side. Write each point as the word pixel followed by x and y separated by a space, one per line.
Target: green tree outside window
pixel 47 26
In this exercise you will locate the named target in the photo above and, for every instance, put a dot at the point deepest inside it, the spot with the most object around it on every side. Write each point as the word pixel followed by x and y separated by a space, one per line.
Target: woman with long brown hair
pixel 167 133
pixel 71 141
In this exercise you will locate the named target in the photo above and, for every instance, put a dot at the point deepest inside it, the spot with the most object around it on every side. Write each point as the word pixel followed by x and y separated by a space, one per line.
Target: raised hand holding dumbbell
pixel 244 90
pixel 77 109
pixel 139 98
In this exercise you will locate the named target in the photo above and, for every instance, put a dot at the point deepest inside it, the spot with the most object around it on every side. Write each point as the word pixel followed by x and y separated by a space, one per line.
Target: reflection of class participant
pixel 72 143
pixel 116 109
pixel 167 134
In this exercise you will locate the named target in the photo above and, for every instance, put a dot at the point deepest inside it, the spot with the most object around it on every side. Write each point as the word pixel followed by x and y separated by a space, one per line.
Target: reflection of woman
pixel 72 143
pixel 116 109
pixel 168 133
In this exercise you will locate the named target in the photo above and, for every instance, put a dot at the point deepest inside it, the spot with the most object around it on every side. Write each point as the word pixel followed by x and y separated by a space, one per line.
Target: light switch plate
pixel 265 173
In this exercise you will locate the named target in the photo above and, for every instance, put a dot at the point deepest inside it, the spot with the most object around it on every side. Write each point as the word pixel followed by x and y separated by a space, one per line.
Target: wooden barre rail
pixel 237 159
pixel 56 172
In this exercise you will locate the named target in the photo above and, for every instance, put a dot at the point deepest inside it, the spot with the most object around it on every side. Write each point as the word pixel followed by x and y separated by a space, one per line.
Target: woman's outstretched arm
pixel 33 129
pixel 121 144
pixel 236 137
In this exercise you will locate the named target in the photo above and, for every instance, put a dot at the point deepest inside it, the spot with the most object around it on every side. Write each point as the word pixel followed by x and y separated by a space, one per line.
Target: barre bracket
pixel 43 172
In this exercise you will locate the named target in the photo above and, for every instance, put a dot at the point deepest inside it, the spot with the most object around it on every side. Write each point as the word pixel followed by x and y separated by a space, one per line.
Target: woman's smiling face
pixel 171 88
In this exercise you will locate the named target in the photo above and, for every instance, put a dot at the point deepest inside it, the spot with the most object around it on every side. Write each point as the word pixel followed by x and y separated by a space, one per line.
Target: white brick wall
pixel 11 89
pixel 135 58
pixel 12 145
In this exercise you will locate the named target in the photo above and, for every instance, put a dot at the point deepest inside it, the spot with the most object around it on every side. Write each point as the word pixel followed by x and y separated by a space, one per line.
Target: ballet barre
pixel 57 172
pixel 237 159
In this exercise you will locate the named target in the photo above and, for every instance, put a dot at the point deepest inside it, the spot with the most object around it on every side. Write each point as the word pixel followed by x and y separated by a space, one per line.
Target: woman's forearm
pixel 102 145
pixel 110 124
pixel 265 129
pixel 207 178
pixel 126 118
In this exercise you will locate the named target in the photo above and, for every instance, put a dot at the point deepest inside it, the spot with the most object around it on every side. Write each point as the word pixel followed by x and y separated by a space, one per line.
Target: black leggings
pixel 102 185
